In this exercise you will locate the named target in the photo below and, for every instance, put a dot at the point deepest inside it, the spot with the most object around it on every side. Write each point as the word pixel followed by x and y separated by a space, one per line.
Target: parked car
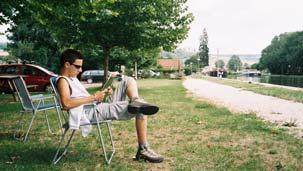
pixel 154 73
pixel 92 76
pixel 35 77
pixel 148 73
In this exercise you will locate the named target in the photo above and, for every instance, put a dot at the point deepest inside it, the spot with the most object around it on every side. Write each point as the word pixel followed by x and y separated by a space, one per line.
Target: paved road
pixel 267 107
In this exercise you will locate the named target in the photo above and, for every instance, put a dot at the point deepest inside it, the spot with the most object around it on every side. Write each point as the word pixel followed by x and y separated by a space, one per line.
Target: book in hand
pixel 110 81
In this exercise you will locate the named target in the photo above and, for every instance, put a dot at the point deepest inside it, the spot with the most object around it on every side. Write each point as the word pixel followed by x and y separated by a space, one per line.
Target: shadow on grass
pixel 24 154
pixel 10 108
pixel 32 155
pixel 203 106
pixel 6 136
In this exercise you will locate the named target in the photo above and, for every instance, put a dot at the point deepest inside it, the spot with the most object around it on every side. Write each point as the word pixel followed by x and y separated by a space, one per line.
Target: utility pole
pixel 199 65
pixel 217 53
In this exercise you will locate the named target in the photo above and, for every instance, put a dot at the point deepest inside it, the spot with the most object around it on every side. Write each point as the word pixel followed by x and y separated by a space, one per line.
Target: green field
pixel 190 134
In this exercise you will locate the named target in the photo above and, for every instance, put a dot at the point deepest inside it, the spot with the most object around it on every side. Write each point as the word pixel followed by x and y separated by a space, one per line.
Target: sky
pixel 239 26
pixel 242 26
pixel 2 29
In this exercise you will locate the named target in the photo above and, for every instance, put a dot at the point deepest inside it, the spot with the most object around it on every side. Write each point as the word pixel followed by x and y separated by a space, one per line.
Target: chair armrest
pixel 90 105
pixel 37 96
pixel 41 97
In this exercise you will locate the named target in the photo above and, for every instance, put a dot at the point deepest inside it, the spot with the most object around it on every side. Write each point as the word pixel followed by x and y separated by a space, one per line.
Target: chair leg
pixel 108 160
pixel 59 119
pixel 48 125
pixel 111 141
pixel 56 157
pixel 19 124
pixel 30 125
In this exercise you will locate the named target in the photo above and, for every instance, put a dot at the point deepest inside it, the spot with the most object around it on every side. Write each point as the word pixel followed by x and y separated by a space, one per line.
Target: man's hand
pixel 100 95
pixel 108 91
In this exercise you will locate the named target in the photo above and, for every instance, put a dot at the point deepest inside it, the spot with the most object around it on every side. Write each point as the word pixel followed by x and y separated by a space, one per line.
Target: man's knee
pixel 129 80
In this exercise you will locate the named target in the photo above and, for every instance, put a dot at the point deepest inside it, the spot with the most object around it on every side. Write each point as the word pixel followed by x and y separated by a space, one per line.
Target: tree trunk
pixel 106 51
pixel 50 60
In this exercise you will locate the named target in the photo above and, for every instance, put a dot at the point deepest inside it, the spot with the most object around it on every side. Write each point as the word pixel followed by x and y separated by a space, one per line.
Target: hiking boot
pixel 147 154
pixel 140 106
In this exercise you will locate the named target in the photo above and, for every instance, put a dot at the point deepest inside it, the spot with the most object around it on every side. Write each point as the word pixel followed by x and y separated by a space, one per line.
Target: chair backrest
pixel 23 93
pixel 53 82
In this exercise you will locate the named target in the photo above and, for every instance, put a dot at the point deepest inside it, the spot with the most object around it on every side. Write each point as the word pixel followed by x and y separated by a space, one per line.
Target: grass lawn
pixel 191 134
pixel 283 93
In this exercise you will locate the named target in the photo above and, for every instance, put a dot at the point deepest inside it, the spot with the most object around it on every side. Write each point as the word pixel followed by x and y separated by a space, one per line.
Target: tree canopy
pixel 105 24
pixel 193 59
pixel 192 64
pixel 284 55
pixel 32 43
pixel 234 63
pixel 220 63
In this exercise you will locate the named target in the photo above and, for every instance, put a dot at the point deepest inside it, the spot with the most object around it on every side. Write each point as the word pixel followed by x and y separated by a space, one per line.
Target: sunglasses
pixel 77 66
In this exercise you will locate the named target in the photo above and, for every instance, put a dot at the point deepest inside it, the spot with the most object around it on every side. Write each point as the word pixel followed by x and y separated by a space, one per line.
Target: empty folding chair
pixel 63 150
pixel 33 104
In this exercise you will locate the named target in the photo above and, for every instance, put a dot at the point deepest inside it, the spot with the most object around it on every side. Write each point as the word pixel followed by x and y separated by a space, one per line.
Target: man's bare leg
pixel 141 127
pixel 141 122
pixel 132 90
pixel 144 152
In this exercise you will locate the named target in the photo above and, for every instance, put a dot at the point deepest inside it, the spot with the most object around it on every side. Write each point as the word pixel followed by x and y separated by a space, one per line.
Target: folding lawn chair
pixel 57 157
pixel 33 104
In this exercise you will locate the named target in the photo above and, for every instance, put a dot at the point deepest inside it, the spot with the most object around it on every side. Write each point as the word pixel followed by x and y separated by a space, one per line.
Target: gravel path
pixel 269 108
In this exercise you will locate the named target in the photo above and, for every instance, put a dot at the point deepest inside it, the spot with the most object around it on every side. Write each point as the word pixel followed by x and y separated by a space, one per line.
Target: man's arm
pixel 68 103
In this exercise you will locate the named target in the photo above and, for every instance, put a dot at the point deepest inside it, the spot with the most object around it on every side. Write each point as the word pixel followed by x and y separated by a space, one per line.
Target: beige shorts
pixel 116 108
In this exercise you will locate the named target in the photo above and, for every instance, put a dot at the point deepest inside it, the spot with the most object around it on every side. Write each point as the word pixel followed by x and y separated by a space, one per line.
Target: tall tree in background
pixel 203 49
pixel 234 63
pixel 220 63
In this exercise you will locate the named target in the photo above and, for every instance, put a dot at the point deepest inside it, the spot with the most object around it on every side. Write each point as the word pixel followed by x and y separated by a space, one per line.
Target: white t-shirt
pixel 76 115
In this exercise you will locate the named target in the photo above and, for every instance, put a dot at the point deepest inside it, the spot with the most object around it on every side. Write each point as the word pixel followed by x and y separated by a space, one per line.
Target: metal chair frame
pixel 58 156
pixel 28 106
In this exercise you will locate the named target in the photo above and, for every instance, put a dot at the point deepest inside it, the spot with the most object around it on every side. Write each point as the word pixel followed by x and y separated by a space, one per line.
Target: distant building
pixel 171 64
pixel 215 72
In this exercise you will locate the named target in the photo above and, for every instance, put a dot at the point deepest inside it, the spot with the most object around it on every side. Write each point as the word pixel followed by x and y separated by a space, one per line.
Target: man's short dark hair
pixel 70 55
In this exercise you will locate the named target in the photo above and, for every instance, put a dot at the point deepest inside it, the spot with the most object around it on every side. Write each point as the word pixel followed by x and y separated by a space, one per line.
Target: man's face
pixel 75 68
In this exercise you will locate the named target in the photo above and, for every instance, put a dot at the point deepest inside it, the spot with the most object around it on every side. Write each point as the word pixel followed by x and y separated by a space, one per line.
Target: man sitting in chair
pixel 73 96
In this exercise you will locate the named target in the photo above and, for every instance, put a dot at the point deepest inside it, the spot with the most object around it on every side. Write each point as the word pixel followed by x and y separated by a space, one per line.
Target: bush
pixel 187 71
